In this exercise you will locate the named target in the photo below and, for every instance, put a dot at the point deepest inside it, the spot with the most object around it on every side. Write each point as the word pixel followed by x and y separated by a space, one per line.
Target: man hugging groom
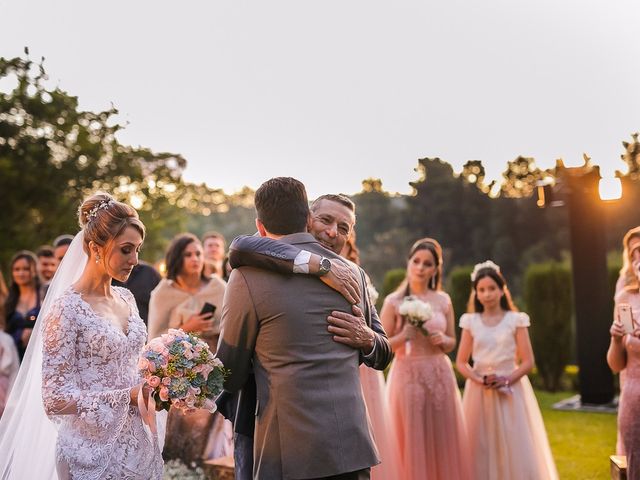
pixel 310 417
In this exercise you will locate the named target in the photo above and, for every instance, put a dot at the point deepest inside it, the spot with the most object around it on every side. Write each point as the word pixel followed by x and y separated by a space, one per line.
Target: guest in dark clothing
pixel 23 303
pixel 141 282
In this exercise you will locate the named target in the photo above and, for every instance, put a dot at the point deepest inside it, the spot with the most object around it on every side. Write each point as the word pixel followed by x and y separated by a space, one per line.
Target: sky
pixel 333 92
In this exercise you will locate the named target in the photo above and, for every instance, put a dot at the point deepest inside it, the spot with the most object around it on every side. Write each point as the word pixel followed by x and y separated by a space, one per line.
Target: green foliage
pixel 458 287
pixel 547 294
pixel 520 177
pixel 52 155
pixel 392 280
pixel 631 156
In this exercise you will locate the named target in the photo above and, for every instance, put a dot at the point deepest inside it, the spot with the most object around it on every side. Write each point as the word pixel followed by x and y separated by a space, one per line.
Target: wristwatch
pixel 324 267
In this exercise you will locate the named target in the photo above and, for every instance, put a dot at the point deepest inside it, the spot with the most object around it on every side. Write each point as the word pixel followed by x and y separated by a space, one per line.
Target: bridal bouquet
pixel 182 371
pixel 416 312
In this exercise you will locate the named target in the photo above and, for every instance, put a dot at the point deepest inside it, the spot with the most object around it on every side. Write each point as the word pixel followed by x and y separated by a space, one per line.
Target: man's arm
pixel 269 254
pixel 239 330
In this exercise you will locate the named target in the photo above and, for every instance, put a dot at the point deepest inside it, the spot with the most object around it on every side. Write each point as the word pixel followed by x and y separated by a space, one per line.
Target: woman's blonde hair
pixel 629 278
pixel 103 218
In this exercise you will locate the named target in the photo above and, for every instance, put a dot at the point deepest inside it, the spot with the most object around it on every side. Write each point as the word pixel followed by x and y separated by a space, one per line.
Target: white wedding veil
pixel 27 436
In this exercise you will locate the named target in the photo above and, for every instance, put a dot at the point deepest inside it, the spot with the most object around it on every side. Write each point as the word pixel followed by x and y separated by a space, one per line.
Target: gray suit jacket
pixel 263 252
pixel 310 415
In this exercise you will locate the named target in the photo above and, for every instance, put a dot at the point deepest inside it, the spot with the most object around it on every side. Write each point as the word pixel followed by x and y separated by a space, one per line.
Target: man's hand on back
pixel 351 330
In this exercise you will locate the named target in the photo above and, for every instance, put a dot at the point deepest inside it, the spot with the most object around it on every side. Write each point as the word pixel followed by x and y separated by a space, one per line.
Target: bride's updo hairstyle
pixel 102 218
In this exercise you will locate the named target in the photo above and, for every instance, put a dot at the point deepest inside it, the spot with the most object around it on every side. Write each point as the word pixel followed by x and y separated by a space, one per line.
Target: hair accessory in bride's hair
pixel 93 213
pixel 480 266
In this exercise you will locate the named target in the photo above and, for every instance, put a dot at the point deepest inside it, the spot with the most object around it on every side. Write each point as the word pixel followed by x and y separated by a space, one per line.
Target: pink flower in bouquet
pixel 182 371
pixel 143 364
pixel 164 394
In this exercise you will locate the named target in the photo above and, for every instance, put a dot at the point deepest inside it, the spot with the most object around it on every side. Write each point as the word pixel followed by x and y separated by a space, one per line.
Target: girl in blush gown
pixel 506 433
pixel 373 390
pixel 424 401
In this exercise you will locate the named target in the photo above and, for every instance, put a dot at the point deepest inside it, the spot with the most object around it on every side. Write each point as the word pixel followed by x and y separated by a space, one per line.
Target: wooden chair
pixel 618 467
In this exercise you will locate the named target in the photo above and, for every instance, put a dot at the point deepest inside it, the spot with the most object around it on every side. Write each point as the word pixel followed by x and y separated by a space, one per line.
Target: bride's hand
pixel 146 391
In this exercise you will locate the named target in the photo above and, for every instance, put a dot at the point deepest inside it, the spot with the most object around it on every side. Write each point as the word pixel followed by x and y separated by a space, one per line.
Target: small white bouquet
pixel 417 314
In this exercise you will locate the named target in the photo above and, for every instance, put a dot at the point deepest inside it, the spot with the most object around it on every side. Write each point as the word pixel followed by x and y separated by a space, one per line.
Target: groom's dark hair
pixel 282 205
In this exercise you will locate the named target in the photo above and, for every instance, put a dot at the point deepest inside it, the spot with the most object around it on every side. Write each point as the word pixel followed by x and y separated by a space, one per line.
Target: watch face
pixel 325 265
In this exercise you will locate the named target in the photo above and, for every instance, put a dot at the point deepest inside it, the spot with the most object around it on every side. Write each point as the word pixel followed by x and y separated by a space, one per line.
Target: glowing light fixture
pixel 610 189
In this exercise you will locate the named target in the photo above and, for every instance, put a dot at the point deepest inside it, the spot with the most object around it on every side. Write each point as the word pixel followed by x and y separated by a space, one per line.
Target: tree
pixel 474 173
pixel 450 209
pixel 631 156
pixel 52 154
pixel 520 177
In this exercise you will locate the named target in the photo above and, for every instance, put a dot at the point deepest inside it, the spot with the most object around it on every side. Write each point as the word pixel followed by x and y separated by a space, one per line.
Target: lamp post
pixel 590 281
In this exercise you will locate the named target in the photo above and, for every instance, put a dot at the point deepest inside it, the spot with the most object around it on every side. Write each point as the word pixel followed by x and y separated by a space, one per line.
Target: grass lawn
pixel 581 442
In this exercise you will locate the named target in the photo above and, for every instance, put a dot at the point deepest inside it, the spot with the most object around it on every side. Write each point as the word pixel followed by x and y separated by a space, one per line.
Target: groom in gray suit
pixel 310 416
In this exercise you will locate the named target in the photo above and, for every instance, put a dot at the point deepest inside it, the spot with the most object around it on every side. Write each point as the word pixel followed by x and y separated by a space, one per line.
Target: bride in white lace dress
pixel 90 338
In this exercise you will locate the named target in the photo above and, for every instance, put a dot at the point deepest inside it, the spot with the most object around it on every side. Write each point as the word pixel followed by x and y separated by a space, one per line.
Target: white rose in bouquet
pixel 416 311
pixel 417 314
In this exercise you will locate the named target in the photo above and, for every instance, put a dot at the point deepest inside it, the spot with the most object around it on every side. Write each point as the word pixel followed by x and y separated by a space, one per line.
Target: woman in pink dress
pixel 624 355
pixel 424 401
pixel 372 381
pixel 506 432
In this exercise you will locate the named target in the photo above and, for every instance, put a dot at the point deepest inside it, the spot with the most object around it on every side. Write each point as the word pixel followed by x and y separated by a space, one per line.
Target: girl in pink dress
pixel 424 401
pixel 506 432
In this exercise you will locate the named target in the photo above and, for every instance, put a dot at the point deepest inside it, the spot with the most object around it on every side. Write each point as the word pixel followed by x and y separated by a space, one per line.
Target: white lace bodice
pixel 494 347
pixel 89 366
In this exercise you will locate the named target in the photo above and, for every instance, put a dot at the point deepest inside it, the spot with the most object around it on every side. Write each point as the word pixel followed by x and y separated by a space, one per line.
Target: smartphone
pixel 208 308
pixel 626 317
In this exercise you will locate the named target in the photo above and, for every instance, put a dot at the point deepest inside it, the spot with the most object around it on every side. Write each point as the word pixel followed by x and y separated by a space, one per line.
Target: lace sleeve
pixel 61 360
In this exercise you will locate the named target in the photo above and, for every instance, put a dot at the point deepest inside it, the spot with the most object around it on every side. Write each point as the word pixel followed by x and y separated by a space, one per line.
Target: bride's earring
pixel 97 258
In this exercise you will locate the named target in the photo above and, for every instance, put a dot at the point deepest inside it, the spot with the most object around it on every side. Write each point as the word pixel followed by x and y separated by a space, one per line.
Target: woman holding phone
pixel 627 293
pixel 189 300
pixel 623 355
